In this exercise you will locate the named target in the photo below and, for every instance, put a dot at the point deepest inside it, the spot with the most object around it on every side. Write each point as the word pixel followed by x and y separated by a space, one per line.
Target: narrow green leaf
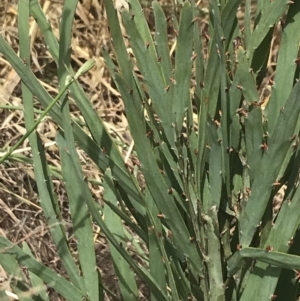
pixel 277 259
pixel 37 12
pixel 75 184
pixel 254 140
pixel 213 260
pixel 18 281
pixel 224 132
pixel 209 99
pixel 159 259
pixel 182 283
pixel 126 278
pixel 285 67
pixel 215 166
pixel 48 198
pixel 247 23
pixel 183 67
pixel 199 60
pixel 156 260
pixel 278 146
pixel 141 272
pixel 280 239
pixel 83 230
pixel 260 58
pixel 141 23
pixel 270 14
pixel 84 141
pixel 153 79
pixel 229 21
pixel 127 219
pixel 40 289
pixel 161 41
pixel 246 78
pixel 94 123
pixel 155 181
pixel 60 284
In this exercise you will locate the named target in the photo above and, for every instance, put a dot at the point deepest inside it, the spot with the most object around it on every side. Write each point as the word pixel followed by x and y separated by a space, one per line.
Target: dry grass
pixel 21 217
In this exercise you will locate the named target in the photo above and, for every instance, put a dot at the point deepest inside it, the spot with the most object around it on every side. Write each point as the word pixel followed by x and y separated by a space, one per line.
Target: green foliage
pixel 205 213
